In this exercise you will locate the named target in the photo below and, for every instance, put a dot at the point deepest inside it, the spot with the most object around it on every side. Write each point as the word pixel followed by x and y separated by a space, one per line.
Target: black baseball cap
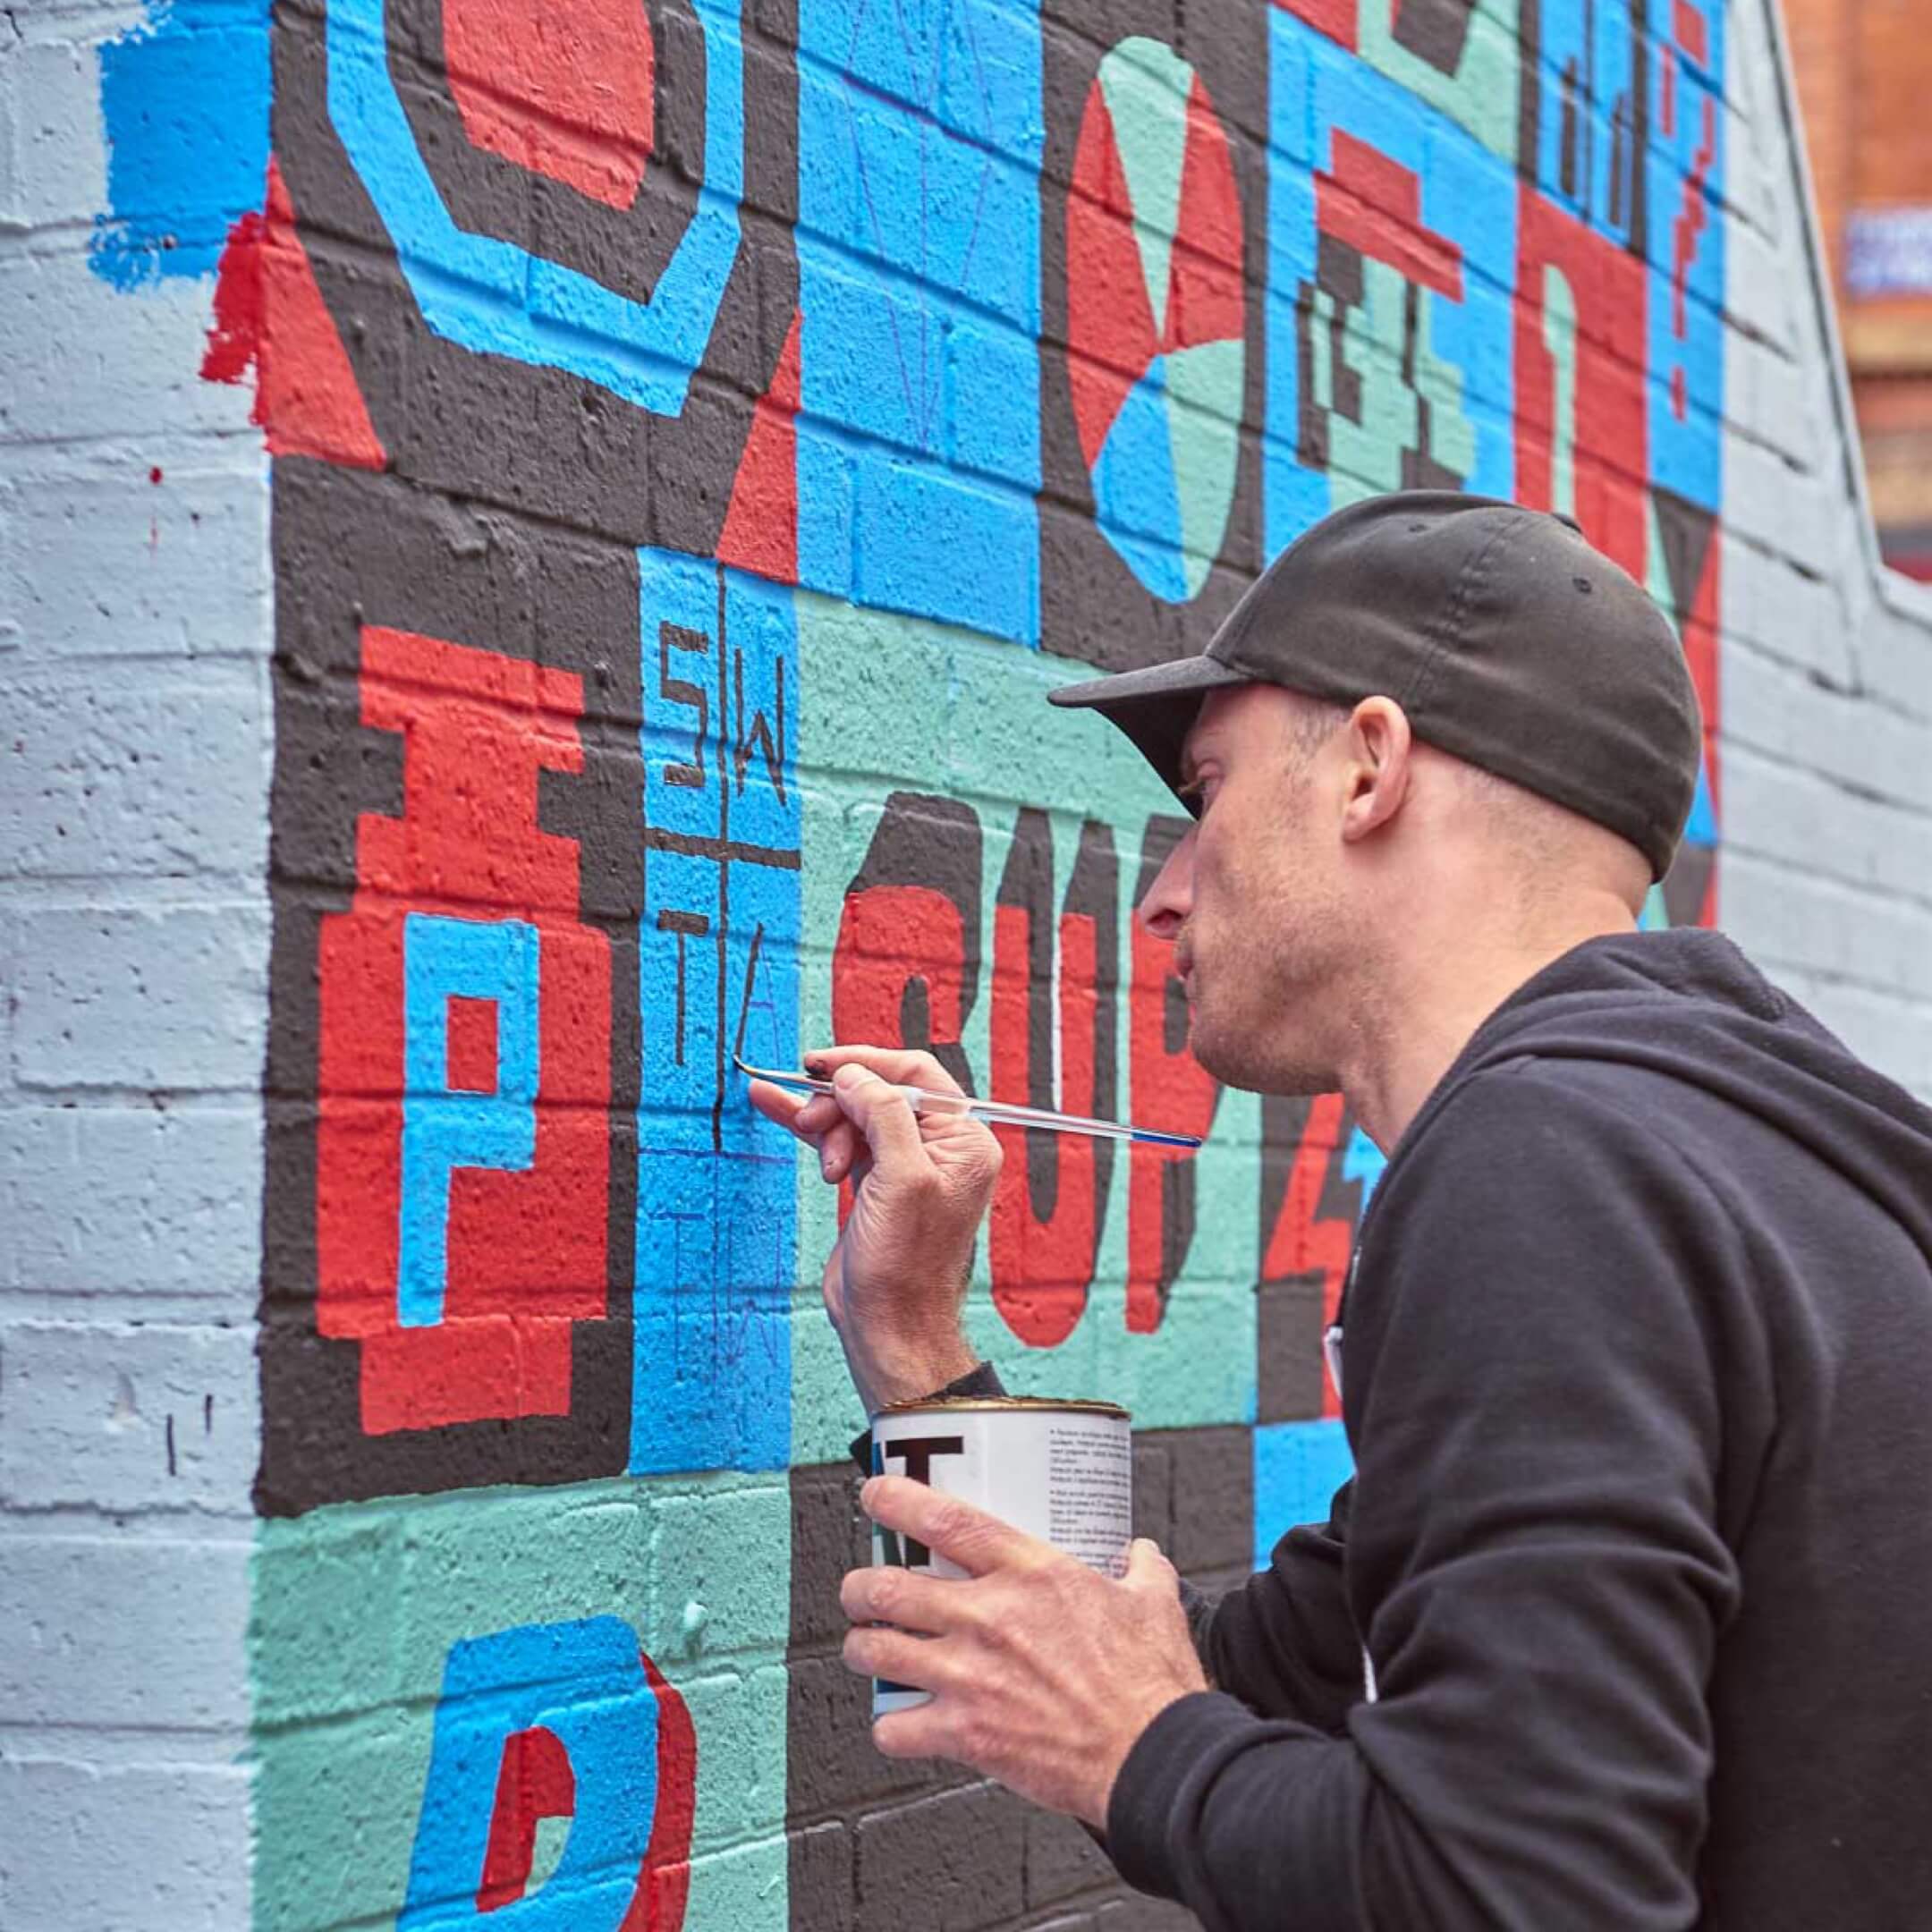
pixel 1509 641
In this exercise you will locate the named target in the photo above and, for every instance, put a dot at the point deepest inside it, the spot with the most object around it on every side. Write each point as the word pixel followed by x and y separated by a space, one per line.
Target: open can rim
pixel 1034 1405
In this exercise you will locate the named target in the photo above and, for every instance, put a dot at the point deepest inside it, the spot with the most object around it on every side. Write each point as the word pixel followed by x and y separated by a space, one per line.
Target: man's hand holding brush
pixel 895 1282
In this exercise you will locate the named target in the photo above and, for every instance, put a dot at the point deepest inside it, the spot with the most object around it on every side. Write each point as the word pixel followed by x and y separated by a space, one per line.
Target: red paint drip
pixel 1693 218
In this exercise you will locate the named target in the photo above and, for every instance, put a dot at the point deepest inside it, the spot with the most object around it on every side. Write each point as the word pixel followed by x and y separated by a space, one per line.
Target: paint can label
pixel 1061 1471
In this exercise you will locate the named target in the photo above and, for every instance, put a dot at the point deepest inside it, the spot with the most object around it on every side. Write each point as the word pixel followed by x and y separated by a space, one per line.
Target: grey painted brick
pixel 126 1199
pixel 50 145
pixel 1829 929
pixel 129 1633
pixel 949 1863
pixel 171 999
pixel 112 560
pixel 118 774
pixel 1786 814
pixel 79 360
pixel 125 1849
pixel 1779 711
pixel 1062 1859
pixel 127 1419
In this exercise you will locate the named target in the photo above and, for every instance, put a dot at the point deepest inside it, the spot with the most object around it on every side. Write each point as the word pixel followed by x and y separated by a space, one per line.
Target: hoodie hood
pixel 1687 1005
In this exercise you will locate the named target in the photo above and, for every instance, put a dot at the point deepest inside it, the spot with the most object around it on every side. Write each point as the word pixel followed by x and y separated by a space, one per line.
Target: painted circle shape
pixel 1157 338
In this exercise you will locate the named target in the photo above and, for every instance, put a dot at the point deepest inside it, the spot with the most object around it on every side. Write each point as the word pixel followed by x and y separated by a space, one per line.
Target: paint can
pixel 1062 1471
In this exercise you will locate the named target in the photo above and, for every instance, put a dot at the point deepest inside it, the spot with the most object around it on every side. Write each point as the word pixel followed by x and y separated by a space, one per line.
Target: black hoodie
pixel 1625 1621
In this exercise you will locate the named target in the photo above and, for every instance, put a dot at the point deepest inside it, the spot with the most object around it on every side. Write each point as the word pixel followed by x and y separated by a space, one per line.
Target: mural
pixel 701 432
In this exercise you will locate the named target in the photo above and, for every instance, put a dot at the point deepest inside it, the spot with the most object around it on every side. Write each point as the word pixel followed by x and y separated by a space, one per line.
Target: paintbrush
pixel 999 1113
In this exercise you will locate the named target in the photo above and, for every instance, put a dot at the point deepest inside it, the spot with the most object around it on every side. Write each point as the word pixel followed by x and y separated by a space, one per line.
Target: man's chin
pixel 1229 1055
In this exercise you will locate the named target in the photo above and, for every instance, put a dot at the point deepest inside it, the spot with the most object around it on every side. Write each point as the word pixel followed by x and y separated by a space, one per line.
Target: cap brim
pixel 1155 706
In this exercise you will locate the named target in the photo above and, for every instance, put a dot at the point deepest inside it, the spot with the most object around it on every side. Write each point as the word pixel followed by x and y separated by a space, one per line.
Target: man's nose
pixel 1166 904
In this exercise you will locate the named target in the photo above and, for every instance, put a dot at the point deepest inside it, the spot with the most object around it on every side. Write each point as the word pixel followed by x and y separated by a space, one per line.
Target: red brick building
pixel 1864 70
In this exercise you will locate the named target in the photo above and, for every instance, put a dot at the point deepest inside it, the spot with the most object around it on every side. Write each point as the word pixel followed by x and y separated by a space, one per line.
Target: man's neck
pixel 1426 1017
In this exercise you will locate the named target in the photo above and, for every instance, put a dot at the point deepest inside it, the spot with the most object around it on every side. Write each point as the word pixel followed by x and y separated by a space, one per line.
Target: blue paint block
pixel 584 1683
pixel 1298 1467
pixel 716 1188
pixel 444 958
pixel 1467 197
pixel 184 106
pixel 919 139
pixel 951 547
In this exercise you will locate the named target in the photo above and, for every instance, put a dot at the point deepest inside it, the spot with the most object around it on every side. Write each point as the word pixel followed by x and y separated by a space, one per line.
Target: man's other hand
pixel 1043 1672
pixel 896 1279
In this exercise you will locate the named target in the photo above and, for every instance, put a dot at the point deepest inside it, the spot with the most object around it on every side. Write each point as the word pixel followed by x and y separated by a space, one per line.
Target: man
pixel 1623 1621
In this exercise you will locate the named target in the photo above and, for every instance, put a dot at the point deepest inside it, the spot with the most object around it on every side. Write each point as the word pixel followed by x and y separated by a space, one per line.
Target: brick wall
pixel 550 575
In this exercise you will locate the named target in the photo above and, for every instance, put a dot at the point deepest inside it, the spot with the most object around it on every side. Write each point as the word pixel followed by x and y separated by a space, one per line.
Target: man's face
pixel 1253 896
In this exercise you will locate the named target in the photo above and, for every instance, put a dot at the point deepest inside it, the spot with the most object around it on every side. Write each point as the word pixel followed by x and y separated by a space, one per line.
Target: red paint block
pixel 1042 1269
pixel 1302 1239
pixel 1170 1089
pixel 1608 285
pixel 761 531
pixel 472 1045
pixel 1335 18
pixel 270 313
pixel 665 1883
pixel 534 1782
pixel 526 1250
pixel 1375 205
pixel 564 91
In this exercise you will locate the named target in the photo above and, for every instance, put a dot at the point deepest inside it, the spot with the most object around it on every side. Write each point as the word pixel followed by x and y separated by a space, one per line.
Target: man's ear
pixel 1378 769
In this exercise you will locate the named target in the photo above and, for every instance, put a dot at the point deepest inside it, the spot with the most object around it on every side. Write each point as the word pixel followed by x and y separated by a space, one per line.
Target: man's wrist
pixel 908 1370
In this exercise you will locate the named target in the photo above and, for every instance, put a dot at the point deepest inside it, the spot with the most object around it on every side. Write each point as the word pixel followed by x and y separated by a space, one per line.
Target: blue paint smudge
pixel 1362 1160
pixel 184 101
pixel 1298 1467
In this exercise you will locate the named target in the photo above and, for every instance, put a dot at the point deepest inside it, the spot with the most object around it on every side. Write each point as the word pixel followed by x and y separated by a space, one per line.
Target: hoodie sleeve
pixel 1534 1404
pixel 1283 1643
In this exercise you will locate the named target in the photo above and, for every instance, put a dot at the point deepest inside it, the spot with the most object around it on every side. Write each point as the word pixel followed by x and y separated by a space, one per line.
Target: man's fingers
pixel 923 1732
pixel 1148 1569
pixel 974 1540
pixel 819 1122
pixel 889 1593
pixel 873 1651
pixel 884 1115
pixel 775 1103
pixel 841 1150
pixel 901 1065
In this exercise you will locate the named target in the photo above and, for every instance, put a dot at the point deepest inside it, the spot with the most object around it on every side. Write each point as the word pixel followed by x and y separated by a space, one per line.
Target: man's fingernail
pixel 816 1067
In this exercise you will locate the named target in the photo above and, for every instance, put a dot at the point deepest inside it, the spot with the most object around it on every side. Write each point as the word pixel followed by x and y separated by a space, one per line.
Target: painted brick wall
pixel 534 541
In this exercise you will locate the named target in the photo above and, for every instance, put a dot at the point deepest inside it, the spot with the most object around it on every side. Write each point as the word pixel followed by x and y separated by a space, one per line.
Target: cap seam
pixel 1424 680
